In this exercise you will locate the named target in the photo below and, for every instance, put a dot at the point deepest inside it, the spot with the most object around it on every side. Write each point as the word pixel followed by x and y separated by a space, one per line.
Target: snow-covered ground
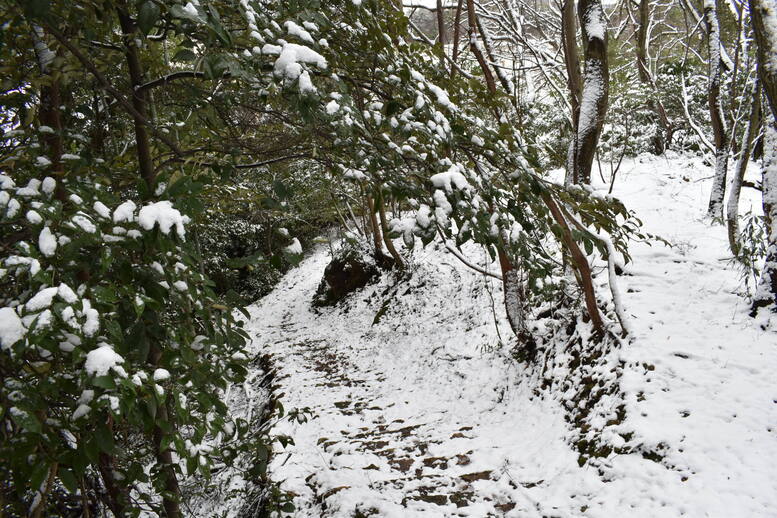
pixel 417 411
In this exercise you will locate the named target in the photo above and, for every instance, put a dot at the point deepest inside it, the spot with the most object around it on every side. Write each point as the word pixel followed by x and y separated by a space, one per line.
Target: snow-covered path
pixel 417 412
pixel 712 397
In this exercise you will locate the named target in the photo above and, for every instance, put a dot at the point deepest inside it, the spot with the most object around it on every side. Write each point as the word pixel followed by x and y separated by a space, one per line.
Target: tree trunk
pixel 732 208
pixel 574 81
pixel 719 131
pixel 386 239
pixel 442 38
pixel 764 17
pixel 139 99
pixel 472 31
pixel 49 111
pixel 456 33
pixel 376 233
pixel 579 262
pixel 646 78
pixel 596 79
pixel 642 33
pixel 164 456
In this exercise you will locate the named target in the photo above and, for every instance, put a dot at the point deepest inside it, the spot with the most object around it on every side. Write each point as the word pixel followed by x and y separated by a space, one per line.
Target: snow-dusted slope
pixel 418 412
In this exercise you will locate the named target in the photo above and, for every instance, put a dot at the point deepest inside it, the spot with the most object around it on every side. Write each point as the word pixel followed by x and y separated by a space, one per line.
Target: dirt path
pixel 417 411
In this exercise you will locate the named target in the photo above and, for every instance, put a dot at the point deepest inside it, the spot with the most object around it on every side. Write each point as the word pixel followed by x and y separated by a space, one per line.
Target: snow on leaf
pixel 11 328
pixel 101 360
pixel 163 214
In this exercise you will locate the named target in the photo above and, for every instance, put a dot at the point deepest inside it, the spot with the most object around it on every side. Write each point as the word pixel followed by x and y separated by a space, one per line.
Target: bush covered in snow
pixel 114 346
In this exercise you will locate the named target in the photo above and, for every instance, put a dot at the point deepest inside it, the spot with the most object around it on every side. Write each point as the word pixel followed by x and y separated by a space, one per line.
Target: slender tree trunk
pixel 472 31
pixel 732 208
pixel 646 78
pixel 139 98
pixel 764 17
pixel 49 111
pixel 386 239
pixel 579 262
pixel 719 131
pixel 574 80
pixel 456 34
pixel 117 495
pixel 164 456
pixel 642 33
pixel 376 233
pixel 442 38
pixel 596 86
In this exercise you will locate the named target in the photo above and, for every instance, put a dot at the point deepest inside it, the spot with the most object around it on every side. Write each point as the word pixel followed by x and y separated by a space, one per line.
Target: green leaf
pixel 105 382
pixel 104 438
pixel 148 15
pixel 68 479
pixel 39 474
pixel 184 55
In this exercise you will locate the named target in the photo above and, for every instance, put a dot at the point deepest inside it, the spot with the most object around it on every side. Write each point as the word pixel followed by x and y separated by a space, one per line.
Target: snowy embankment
pixel 417 411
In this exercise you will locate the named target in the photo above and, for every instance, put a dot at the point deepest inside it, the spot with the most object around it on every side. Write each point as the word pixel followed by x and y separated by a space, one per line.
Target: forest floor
pixel 417 410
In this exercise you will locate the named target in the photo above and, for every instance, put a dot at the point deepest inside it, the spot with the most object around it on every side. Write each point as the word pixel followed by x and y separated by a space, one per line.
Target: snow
pixel 305 84
pixel 33 217
pixel 42 161
pixel 66 293
pixel 451 178
pixel 84 223
pixel 47 243
pixel 11 328
pixel 161 375
pixel 295 30
pixel 102 210
pixel 420 411
pixel 332 107
pixel 163 214
pixel 101 360
pixel 191 10
pixel 594 21
pixel 295 248
pixel 125 212
pixel 92 323
pixel 41 300
pixel 81 411
pixel 12 208
pixel 769 17
pixel 48 185
pixel 291 55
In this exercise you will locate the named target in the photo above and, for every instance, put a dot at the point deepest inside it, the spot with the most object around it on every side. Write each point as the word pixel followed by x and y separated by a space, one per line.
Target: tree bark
pixel 49 111
pixel 732 208
pixel 164 456
pixel 386 239
pixel 376 233
pixel 472 31
pixel 642 33
pixel 579 262
pixel 764 12
pixel 596 87
pixel 574 80
pixel 139 97
pixel 646 78
pixel 456 34
pixel 442 38
pixel 720 134
pixel 117 495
